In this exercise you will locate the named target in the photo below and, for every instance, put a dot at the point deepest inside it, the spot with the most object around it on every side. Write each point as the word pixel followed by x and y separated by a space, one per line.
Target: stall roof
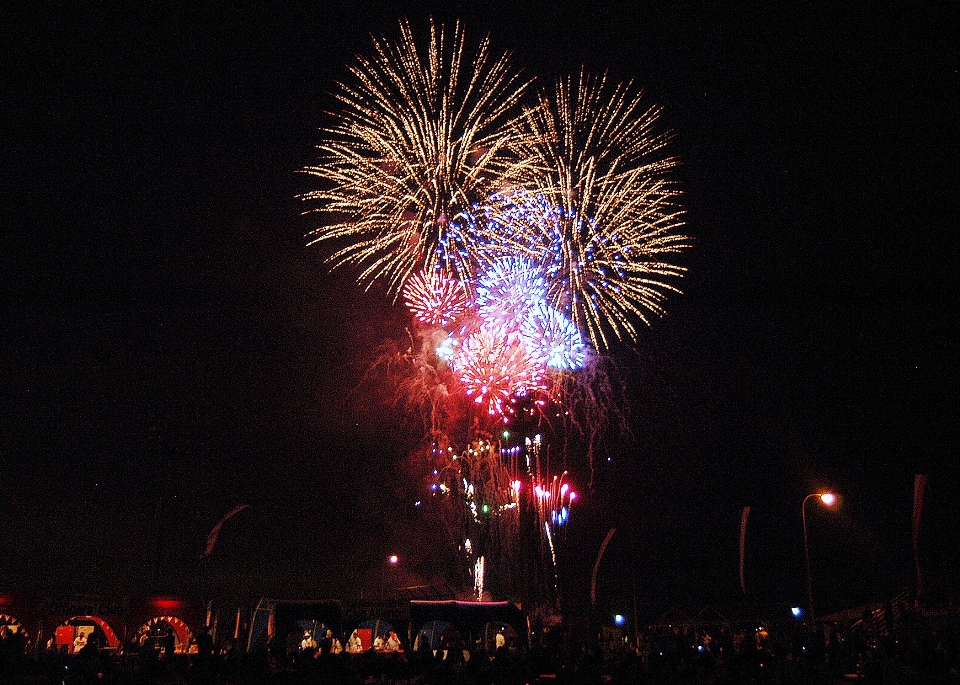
pixel 469 618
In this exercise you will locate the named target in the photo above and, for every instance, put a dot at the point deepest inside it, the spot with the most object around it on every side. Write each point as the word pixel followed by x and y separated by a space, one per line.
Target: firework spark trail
pixel 417 140
pixel 419 388
pixel 477 498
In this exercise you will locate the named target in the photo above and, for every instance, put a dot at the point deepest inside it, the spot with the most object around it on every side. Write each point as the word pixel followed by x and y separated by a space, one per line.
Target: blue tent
pixel 475 621
pixel 291 616
pixel 428 637
pixel 317 628
pixel 377 627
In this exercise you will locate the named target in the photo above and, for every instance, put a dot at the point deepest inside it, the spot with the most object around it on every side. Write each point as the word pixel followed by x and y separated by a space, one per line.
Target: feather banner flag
pixel 743 544
pixel 596 566
pixel 919 485
pixel 212 538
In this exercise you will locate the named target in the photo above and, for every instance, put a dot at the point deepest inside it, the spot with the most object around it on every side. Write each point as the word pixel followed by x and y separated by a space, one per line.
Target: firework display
pixel 418 138
pixel 435 299
pixel 604 215
pixel 524 238
pixel 494 368
pixel 559 340
pixel 480 492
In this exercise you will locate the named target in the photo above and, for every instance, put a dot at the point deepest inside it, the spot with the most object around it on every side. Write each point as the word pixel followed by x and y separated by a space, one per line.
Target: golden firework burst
pixel 599 207
pixel 418 138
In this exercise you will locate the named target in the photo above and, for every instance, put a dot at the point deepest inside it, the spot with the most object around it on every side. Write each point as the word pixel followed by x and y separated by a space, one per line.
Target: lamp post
pixel 827 499
pixel 392 561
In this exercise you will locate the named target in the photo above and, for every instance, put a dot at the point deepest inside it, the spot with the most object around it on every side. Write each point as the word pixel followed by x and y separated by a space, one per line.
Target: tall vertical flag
pixel 596 566
pixel 212 537
pixel 743 545
pixel 919 485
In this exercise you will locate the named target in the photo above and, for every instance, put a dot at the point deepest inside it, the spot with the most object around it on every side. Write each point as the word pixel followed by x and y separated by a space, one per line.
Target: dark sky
pixel 170 348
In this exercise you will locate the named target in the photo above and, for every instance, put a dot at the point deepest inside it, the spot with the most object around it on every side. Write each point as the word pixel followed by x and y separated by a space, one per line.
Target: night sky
pixel 170 348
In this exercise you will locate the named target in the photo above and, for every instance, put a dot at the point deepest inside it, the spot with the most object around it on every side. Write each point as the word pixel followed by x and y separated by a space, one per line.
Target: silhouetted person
pixel 325 644
pixel 204 643
pixel 169 644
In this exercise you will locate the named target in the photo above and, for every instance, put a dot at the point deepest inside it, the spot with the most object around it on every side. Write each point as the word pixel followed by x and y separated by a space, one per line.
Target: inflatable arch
pixel 9 622
pixel 155 628
pixel 77 631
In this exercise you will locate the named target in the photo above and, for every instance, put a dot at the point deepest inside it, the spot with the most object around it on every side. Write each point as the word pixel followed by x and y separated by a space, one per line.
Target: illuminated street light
pixel 828 499
pixel 392 561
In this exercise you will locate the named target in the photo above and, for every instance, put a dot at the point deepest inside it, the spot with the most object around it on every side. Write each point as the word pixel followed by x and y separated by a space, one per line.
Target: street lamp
pixel 392 561
pixel 828 499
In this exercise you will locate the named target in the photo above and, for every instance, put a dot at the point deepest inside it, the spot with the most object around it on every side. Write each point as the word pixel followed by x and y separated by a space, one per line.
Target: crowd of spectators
pixel 913 651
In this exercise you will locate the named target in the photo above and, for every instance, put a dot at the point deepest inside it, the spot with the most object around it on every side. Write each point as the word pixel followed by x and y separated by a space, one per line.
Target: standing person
pixel 169 644
pixel 204 643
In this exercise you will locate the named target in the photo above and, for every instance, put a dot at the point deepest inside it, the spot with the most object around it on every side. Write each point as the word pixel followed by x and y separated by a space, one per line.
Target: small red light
pixel 161 603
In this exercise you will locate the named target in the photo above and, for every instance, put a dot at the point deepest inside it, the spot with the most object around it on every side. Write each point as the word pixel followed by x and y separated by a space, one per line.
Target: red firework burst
pixel 435 299
pixel 495 368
